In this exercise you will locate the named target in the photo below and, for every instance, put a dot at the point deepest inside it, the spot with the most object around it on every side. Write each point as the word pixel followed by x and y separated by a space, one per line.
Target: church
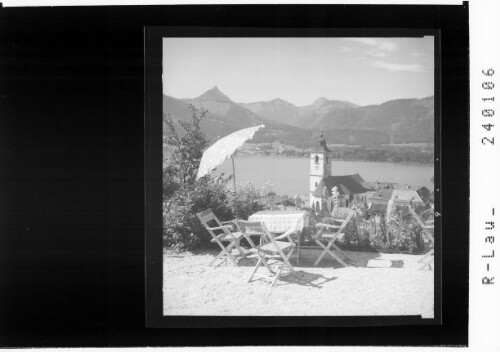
pixel 325 190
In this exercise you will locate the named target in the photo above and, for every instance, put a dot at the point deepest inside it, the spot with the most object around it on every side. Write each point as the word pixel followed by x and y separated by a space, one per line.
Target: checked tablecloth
pixel 280 221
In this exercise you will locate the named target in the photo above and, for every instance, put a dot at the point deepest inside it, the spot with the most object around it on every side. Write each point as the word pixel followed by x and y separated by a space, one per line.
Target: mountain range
pixel 406 120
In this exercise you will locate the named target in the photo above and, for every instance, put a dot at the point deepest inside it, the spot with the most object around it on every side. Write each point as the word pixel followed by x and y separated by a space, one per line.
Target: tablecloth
pixel 280 221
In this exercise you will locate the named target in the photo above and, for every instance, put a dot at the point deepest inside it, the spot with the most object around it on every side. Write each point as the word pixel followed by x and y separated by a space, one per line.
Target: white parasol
pixel 224 149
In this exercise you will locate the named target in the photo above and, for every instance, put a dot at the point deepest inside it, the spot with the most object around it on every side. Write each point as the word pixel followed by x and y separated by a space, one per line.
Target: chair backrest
pixel 424 226
pixel 257 228
pixel 418 218
pixel 346 220
pixel 208 216
pixel 341 213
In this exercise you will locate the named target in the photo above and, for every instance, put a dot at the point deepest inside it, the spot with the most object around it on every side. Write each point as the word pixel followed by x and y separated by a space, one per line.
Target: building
pixel 378 201
pixel 422 191
pixel 321 182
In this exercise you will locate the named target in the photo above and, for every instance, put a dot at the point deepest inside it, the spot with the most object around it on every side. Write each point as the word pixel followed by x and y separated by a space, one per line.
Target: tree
pixel 187 151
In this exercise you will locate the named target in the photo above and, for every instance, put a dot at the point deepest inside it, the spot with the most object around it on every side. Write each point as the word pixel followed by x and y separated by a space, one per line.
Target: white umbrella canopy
pixel 223 149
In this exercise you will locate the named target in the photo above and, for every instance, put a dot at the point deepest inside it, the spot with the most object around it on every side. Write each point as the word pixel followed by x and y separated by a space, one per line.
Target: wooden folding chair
pixel 271 247
pixel 226 233
pixel 334 233
pixel 428 230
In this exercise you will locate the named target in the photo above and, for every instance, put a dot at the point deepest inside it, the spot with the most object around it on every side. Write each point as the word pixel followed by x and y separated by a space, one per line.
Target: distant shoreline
pixel 357 160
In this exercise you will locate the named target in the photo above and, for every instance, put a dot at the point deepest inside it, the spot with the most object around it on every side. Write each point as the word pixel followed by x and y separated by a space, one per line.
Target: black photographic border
pixel 72 245
pixel 153 157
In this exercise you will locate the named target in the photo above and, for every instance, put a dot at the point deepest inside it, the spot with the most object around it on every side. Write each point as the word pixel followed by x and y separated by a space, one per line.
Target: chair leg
pixel 341 252
pixel 267 266
pixel 319 243
pixel 228 253
pixel 288 260
pixel 216 258
pixel 338 258
pixel 277 274
pixel 426 255
pixel 262 260
pixel 255 269
pixel 427 263
pixel 225 252
pixel 326 249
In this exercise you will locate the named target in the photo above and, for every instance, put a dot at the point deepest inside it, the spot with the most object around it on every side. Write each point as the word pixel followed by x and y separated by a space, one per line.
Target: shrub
pixel 403 235
pixel 363 232
pixel 169 184
pixel 182 230
pixel 248 200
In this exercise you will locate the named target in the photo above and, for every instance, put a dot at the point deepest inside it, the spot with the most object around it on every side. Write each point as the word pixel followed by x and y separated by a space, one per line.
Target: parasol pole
pixel 234 184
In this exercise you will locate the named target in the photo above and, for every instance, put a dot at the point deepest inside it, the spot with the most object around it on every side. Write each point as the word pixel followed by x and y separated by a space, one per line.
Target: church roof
pixel 347 184
pixel 358 178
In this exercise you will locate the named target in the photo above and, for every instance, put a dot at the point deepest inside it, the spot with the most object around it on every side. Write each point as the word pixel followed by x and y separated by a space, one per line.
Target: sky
pixel 364 71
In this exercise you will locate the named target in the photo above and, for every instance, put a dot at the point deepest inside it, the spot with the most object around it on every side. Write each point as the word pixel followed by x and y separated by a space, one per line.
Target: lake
pixel 290 176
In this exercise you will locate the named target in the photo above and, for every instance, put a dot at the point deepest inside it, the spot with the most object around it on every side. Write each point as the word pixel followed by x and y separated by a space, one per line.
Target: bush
pixel 248 200
pixel 363 232
pixel 404 235
pixel 182 230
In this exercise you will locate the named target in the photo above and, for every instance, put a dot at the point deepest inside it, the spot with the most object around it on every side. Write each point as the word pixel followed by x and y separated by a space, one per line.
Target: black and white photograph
pixel 298 176
pixel 231 175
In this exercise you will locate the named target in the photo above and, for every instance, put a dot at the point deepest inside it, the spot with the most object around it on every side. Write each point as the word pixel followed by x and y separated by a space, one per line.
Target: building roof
pixel 347 184
pixel 404 186
pixel 358 178
pixel 382 195
pixel 276 200
pixel 378 208
pixel 378 185
pixel 406 196
pixel 368 185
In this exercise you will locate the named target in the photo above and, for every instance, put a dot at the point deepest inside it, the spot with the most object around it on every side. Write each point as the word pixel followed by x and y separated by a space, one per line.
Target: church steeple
pixel 322 142
pixel 320 167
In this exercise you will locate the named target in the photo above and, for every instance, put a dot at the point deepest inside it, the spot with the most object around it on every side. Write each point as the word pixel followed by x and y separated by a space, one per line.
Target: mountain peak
pixel 281 102
pixel 320 101
pixel 214 94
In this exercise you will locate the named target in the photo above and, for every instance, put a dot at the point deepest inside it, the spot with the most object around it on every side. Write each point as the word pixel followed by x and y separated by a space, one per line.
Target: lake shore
pixel 355 160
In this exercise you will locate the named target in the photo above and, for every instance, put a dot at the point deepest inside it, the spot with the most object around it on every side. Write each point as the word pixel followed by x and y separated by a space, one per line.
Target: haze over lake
pixel 290 176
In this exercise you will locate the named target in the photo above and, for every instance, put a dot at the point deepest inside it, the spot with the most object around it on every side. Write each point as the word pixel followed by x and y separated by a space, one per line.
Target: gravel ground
pixel 378 284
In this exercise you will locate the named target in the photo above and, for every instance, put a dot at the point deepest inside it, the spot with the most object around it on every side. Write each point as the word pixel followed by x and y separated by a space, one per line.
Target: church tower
pixel 320 166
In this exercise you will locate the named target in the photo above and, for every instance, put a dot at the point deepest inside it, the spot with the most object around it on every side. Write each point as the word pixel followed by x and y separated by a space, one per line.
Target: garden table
pixel 281 221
